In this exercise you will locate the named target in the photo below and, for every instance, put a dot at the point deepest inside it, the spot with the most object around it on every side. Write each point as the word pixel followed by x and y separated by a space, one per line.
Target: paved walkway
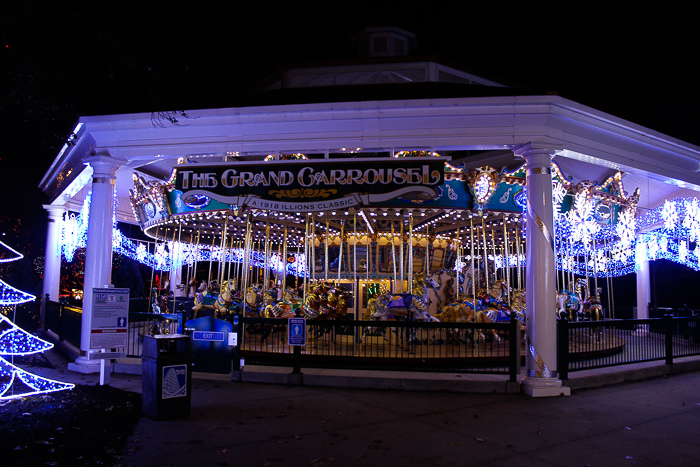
pixel 651 422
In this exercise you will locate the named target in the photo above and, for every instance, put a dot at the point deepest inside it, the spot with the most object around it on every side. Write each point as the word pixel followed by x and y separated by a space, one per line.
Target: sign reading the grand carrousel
pixel 110 318
pixel 310 185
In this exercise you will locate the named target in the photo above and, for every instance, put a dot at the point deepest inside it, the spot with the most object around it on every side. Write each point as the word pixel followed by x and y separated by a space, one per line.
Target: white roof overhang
pixel 576 132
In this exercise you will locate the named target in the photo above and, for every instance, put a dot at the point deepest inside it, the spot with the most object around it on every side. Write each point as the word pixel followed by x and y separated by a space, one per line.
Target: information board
pixel 110 318
pixel 296 331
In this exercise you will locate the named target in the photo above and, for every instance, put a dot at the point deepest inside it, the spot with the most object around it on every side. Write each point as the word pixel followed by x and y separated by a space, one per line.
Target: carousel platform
pixel 457 382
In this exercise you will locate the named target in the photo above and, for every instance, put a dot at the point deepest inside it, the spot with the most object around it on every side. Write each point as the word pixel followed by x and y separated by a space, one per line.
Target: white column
pixel 643 282
pixel 52 258
pixel 541 370
pixel 98 254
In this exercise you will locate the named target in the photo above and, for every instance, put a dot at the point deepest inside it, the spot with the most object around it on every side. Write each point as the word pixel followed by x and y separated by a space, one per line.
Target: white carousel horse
pixel 412 307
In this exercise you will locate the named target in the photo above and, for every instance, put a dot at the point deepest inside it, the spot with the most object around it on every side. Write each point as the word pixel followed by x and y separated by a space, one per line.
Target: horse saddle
pixel 402 300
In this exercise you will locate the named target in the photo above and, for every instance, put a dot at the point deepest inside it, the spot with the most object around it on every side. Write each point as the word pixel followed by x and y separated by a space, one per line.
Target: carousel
pixel 406 237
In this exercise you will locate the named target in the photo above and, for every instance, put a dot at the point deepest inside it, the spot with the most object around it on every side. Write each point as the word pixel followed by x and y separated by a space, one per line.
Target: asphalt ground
pixel 651 422
pixel 654 422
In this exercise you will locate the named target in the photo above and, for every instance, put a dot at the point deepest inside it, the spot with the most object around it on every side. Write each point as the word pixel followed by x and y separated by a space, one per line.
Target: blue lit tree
pixel 14 341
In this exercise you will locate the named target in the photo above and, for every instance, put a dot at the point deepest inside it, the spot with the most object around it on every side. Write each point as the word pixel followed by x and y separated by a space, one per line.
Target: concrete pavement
pixel 650 422
pixel 654 422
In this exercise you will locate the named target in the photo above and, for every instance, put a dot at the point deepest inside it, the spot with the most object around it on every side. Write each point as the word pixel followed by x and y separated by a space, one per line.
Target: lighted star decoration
pixel 691 220
pixel 626 227
pixel 669 214
pixel 558 195
pixel 583 226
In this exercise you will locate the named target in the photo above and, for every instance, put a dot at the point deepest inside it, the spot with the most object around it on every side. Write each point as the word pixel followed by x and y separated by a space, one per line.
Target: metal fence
pixel 66 322
pixel 597 344
pixel 149 324
pixel 450 347
pixel 414 346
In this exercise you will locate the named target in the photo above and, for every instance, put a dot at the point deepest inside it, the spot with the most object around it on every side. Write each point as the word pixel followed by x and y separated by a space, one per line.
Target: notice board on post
pixel 110 318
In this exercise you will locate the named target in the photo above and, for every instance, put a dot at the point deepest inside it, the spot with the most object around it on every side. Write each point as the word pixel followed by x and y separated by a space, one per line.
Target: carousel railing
pixel 149 324
pixel 386 345
pixel 597 344
pixel 65 321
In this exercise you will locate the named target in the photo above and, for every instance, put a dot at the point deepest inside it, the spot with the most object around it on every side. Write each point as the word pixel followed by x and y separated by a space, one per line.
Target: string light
pixel 14 341
pixel 669 232
pixel 9 389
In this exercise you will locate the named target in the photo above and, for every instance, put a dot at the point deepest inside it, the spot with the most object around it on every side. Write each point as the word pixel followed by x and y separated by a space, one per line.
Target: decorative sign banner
pixel 310 185
pixel 110 318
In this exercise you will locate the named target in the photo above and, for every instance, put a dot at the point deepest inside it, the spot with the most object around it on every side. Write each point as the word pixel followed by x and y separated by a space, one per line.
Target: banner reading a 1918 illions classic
pixel 311 185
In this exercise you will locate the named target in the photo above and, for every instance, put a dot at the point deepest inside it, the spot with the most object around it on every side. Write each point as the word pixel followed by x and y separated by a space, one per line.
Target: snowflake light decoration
pixel 669 214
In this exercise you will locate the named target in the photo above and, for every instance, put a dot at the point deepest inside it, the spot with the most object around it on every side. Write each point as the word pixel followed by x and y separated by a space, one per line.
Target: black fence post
pixel 514 348
pixel 668 333
pixel 42 312
pixel 563 348
pixel 237 327
pixel 296 360
pixel 61 315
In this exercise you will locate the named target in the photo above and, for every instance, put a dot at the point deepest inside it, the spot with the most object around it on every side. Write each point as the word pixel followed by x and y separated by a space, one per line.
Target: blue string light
pixel 14 341
pixel 608 250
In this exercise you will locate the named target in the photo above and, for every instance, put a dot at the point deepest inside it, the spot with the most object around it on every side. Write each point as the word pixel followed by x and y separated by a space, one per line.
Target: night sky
pixel 63 59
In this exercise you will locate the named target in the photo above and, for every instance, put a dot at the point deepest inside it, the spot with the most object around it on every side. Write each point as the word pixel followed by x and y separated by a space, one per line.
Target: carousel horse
pixel 253 301
pixel 219 303
pixel 568 305
pixel 203 299
pixel 491 308
pixel 413 307
pixel 517 305
pixel 192 288
pixel 461 311
pixel 316 299
pixel 285 308
pixel 494 295
pixel 337 304
pixel 592 308
pixel 449 290
pixel 267 309
pixel 255 305
pixel 456 313
pixel 410 307
pixel 498 312
pixel 224 300
pixel 334 307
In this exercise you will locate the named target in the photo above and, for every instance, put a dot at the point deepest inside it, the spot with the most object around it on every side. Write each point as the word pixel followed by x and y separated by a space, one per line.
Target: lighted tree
pixel 14 341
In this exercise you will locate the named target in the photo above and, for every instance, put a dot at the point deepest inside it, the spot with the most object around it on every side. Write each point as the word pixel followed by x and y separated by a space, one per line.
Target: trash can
pixel 166 376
